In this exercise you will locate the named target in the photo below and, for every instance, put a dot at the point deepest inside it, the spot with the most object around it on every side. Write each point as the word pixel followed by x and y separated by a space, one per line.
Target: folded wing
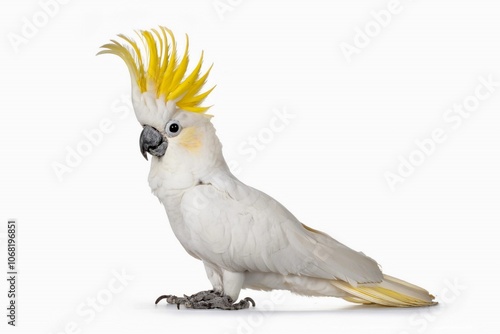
pixel 239 228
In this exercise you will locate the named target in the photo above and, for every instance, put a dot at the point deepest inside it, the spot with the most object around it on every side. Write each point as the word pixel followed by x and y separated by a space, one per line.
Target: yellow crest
pixel 154 67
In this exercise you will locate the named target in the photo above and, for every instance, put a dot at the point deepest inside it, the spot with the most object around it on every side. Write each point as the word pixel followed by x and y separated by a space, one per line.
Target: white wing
pixel 239 228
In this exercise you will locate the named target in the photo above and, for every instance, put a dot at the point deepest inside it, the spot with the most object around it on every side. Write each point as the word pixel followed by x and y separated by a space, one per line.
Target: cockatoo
pixel 245 238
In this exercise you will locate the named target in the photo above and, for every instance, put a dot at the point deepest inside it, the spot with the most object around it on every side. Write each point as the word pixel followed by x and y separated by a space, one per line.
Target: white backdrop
pixel 389 143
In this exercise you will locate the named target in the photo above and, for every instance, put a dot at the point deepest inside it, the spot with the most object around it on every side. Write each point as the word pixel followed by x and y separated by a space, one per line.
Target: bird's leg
pixel 208 300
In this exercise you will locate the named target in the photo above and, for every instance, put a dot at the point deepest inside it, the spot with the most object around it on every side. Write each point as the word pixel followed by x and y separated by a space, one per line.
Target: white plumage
pixel 245 238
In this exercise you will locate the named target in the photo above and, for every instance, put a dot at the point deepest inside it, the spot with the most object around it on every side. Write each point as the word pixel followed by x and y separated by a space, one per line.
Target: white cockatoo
pixel 245 238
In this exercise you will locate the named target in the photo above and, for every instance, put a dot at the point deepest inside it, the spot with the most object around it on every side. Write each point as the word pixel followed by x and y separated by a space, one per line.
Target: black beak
pixel 152 142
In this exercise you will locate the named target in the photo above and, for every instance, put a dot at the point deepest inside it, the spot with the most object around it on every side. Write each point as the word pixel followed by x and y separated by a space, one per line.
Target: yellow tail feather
pixel 390 292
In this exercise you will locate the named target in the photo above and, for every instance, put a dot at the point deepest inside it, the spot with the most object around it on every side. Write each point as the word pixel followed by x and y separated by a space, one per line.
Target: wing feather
pixel 242 229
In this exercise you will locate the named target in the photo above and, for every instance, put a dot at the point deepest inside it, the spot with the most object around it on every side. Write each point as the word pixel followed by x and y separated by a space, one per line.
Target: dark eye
pixel 173 128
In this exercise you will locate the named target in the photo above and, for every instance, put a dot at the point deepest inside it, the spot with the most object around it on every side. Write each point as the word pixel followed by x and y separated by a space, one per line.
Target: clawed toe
pixel 208 300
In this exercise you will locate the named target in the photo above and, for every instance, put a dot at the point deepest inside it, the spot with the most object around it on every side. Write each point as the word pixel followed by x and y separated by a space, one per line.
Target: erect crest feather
pixel 154 67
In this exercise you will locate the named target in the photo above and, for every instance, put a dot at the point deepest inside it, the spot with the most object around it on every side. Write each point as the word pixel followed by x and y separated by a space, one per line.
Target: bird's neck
pixel 166 182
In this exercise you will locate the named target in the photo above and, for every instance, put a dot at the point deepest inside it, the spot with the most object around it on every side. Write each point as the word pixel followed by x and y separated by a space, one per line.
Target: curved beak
pixel 151 141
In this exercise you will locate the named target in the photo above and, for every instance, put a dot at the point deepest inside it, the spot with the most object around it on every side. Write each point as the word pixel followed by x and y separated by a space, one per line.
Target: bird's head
pixel 167 101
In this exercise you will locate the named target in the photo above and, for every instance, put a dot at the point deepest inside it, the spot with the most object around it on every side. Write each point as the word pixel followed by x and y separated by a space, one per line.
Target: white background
pixel 352 120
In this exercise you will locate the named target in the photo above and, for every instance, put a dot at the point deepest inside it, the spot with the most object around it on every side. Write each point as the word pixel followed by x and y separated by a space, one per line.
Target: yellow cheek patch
pixel 190 139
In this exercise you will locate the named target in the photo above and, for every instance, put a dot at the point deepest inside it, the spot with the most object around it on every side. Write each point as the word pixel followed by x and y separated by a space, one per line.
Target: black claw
pixel 248 299
pixel 160 298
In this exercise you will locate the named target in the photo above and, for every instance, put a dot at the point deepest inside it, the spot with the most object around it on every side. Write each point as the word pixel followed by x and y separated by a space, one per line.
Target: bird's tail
pixel 390 292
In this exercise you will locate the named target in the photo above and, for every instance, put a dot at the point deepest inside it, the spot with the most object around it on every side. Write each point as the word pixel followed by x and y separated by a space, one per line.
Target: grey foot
pixel 208 300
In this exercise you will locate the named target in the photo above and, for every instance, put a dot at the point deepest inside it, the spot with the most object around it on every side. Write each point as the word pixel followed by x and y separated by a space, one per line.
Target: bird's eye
pixel 173 128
